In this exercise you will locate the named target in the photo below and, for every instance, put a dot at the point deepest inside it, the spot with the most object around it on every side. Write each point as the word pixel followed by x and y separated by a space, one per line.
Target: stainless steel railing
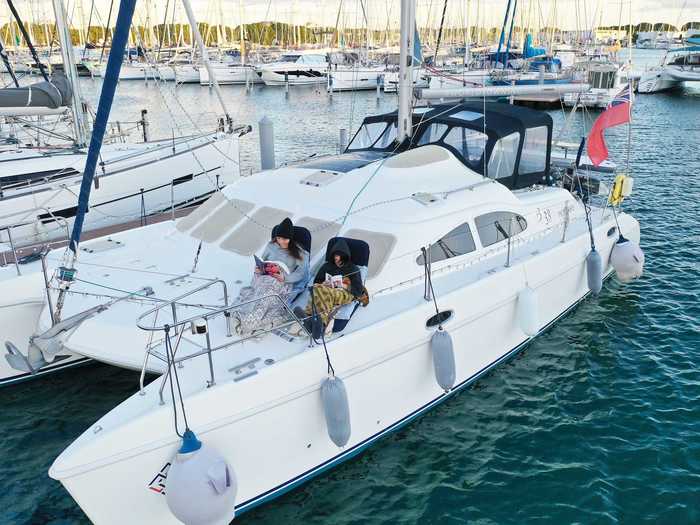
pixel 178 327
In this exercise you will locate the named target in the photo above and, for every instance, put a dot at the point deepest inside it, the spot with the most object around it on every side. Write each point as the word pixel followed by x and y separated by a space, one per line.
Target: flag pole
pixel 629 84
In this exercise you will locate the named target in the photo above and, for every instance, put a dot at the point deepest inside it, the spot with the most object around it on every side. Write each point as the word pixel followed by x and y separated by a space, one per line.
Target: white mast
pixel 205 59
pixel 405 85
pixel 71 73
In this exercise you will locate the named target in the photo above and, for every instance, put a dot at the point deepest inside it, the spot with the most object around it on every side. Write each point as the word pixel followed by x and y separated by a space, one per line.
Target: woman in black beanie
pixel 292 267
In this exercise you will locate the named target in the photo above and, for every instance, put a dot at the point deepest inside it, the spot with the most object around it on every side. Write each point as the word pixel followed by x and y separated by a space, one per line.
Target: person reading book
pixel 283 264
pixel 337 282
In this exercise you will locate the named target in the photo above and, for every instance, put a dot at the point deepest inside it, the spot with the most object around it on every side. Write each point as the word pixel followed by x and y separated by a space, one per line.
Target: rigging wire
pixel 28 40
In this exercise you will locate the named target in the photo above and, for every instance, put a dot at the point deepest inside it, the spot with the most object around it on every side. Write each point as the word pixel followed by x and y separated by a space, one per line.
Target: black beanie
pixel 285 229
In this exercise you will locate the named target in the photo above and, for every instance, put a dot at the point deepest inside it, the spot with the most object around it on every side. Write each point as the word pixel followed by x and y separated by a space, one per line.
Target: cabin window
pixel 533 158
pixel 503 157
pixel 499 225
pixel 432 134
pixel 388 137
pixel 457 242
pixel 469 143
pixel 367 135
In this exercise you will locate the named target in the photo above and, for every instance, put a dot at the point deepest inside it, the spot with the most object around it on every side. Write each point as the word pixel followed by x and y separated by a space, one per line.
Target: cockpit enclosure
pixel 508 143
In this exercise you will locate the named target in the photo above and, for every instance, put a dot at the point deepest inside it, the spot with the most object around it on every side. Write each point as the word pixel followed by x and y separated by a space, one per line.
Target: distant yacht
pixel 679 66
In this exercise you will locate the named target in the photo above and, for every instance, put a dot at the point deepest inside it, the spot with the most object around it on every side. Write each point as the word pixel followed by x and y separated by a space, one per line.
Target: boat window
pixel 289 58
pixel 497 226
pixel 367 135
pixel 388 137
pixel 433 133
pixel 468 142
pixel 457 242
pixel 503 157
pixel 533 158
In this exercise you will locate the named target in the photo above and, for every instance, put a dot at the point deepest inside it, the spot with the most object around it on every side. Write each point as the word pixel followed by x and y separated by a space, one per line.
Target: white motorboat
pixel 230 73
pixel 605 79
pixel 295 69
pixel 355 78
pixel 679 66
pixel 495 243
pixel 391 80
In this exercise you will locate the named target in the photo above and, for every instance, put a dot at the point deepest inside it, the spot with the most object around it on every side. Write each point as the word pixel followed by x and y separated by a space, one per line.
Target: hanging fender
pixel 200 488
pixel 527 311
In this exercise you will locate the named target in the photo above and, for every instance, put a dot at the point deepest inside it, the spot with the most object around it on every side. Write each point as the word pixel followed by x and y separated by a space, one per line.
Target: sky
pixel 568 14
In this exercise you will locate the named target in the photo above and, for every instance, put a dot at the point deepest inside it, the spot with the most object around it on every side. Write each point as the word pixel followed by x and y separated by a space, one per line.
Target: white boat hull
pixel 298 76
pixel 227 74
pixel 128 483
pixel 46 211
pixel 355 79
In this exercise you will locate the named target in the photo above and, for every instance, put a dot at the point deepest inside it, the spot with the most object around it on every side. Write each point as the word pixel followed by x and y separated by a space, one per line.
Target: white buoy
pixel 528 311
pixel 443 359
pixel 336 410
pixel 594 272
pixel 200 488
pixel 627 258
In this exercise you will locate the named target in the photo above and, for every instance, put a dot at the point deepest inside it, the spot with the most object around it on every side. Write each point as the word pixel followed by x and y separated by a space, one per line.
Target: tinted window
pixel 367 135
pixel 433 133
pixel 388 137
pixel 499 225
pixel 533 158
pixel 458 242
pixel 503 156
pixel 468 142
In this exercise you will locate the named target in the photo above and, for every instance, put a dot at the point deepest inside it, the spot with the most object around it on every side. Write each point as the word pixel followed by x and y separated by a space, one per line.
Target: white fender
pixel 528 311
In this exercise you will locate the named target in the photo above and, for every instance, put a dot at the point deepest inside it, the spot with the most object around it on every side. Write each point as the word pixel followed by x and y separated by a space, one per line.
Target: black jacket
pixel 348 269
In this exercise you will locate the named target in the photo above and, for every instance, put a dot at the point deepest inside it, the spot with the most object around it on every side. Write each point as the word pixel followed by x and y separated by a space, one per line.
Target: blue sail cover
pixel 529 51
pixel 109 86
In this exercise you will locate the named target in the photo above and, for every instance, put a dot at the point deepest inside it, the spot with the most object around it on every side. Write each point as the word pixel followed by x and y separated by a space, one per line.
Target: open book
pixel 334 281
pixel 270 267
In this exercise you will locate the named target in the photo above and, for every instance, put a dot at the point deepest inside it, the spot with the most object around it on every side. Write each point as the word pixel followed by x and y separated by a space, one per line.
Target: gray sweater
pixel 298 268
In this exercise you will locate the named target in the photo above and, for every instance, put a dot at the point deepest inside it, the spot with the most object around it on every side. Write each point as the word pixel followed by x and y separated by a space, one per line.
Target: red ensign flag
pixel 618 112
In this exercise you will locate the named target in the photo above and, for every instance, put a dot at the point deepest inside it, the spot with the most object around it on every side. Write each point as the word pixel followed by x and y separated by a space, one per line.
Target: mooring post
pixel 267 144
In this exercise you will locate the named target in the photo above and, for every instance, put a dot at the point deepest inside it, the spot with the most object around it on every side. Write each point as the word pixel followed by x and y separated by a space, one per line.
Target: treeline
pixel 278 33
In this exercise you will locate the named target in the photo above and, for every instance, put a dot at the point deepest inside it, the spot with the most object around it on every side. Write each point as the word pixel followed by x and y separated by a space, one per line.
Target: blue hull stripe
pixel 20 378
pixel 360 447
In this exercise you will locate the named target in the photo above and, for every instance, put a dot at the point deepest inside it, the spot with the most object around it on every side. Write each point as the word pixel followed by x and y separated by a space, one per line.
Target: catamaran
pixel 678 66
pixel 468 239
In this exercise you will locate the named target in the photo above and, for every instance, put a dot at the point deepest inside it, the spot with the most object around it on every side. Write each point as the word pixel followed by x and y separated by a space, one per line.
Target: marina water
pixel 597 421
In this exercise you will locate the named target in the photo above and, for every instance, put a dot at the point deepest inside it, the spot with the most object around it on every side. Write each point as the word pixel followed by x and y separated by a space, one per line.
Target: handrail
pixel 209 349
pixel 173 302
pixel 60 220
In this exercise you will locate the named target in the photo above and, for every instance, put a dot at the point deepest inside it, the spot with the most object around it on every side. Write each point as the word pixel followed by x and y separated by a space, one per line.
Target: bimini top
pixel 508 143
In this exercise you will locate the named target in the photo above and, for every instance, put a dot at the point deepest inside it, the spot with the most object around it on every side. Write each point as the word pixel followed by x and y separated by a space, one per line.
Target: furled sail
pixel 53 95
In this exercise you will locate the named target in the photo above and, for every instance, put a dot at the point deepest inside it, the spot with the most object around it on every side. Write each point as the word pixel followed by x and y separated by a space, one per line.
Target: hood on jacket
pixel 340 247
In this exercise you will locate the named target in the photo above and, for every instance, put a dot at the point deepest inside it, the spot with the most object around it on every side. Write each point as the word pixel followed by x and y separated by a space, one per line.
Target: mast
pixel 71 73
pixel 242 31
pixel 405 84
pixel 205 59
pixel 120 38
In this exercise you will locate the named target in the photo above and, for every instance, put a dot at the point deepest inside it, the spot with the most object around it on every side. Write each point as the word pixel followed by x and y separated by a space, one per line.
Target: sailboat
pixel 39 181
pixel 469 243
pixel 40 192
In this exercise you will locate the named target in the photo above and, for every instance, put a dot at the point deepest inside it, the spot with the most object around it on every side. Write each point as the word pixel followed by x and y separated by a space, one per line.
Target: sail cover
pixel 54 94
